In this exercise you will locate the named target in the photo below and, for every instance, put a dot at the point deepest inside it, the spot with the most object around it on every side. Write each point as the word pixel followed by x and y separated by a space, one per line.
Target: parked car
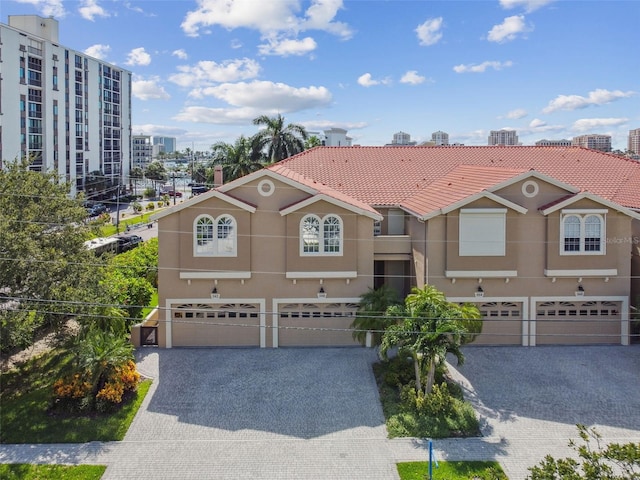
pixel 128 242
pixel 175 194
pixel 96 209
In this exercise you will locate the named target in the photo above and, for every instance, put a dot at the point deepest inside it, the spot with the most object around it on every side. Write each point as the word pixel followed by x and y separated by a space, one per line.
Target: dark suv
pixel 128 242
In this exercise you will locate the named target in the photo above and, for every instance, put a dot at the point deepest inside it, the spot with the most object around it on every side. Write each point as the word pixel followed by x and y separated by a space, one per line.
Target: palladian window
pixel 321 236
pixel 215 242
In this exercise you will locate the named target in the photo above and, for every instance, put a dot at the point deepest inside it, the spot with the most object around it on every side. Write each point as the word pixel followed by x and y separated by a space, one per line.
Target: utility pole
pixel 174 187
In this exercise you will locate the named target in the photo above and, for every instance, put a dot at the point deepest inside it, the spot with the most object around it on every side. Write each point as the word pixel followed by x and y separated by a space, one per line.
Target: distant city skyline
pixel 202 70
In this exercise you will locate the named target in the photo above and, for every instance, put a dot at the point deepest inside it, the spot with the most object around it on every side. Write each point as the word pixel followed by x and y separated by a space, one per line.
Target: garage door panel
pixel 316 325
pixel 501 324
pixel 578 323
pixel 228 325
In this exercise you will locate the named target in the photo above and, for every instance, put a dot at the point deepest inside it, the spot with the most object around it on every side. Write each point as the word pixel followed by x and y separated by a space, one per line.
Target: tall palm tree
pixel 238 159
pixel 431 328
pixel 280 141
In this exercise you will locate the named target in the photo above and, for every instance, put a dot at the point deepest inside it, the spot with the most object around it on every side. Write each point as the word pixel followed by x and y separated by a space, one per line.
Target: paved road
pixel 315 414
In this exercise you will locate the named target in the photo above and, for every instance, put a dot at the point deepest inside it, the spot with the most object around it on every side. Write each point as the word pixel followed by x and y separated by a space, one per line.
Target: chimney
pixel 217 176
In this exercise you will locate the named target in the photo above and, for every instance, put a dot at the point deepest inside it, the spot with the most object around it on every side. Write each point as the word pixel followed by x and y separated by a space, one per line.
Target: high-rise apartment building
pixel 65 111
pixel 503 137
pixel 553 143
pixel 401 138
pixel 633 144
pixel 440 138
pixel 593 141
pixel 167 144
pixel 141 151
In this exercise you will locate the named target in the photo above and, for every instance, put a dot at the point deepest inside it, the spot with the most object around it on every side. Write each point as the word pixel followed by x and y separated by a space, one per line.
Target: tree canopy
pixel 280 140
pixel 428 327
pixel 45 270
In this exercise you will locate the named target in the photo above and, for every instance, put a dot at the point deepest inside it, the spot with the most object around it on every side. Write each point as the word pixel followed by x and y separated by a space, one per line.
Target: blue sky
pixel 202 70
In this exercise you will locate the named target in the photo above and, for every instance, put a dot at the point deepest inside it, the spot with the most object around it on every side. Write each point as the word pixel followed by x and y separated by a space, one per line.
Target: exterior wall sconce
pixel 479 292
pixel 580 291
pixel 214 293
pixel 322 293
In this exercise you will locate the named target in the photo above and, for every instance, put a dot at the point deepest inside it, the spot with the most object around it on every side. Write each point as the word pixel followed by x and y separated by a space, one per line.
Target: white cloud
pixel 585 124
pixel 366 80
pixel 180 53
pixel 219 116
pixel 537 123
pixel 208 72
pixel 595 97
pixel 288 47
pixel 266 17
pixel 412 78
pixel 138 56
pixel 89 10
pixel 321 125
pixel 98 51
pixel 429 32
pixel 270 96
pixel 148 89
pixel 509 29
pixel 528 5
pixel 482 67
pixel 517 114
pixel 48 8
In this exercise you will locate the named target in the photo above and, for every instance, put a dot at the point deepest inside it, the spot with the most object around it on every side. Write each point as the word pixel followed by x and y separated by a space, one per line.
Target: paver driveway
pixel 314 413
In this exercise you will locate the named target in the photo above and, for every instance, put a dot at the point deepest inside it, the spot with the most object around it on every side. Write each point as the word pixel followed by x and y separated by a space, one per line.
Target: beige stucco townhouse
pixel 544 240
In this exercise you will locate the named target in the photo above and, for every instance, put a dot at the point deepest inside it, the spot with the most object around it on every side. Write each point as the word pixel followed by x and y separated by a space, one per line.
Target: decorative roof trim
pixel 473 198
pixel 201 198
pixel 327 198
pixel 595 198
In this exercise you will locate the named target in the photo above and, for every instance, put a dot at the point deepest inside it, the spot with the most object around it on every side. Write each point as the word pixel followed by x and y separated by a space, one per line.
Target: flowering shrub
pixel 76 387
pixel 75 392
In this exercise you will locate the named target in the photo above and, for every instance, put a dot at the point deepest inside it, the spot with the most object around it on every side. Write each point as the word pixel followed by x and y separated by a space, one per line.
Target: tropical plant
pixel 428 329
pixel 238 159
pixel 371 314
pixel 281 141
pixel 311 142
pixel 613 462
pixel 156 172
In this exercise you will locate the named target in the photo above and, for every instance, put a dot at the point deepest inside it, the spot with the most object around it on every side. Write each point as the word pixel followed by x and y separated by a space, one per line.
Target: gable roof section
pixel 387 176
pixel 204 197
pixel 571 199
pixel 462 185
pixel 363 210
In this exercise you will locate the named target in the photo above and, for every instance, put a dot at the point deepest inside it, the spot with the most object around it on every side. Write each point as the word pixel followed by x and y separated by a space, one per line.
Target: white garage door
pixel 501 323
pixel 315 324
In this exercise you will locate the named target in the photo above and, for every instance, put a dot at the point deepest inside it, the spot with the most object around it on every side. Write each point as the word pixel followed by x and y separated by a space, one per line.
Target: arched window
pixel 226 235
pixel 332 234
pixel 321 236
pixel 592 233
pixel 572 233
pixel 310 234
pixel 583 234
pixel 221 243
pixel 204 245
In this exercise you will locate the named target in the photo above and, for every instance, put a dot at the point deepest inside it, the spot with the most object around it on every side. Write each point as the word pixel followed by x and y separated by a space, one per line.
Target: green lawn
pixel 26 397
pixel 109 230
pixel 451 471
pixel 23 471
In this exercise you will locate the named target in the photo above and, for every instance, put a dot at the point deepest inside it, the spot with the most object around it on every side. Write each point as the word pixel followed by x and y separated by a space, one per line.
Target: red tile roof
pixel 387 176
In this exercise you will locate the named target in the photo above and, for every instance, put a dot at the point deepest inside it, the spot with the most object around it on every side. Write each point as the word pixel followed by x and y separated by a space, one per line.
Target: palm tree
pixel 238 159
pixel 371 314
pixel 431 327
pixel 280 141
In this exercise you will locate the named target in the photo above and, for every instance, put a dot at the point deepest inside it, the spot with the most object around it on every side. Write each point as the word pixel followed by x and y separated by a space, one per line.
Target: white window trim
pixel 582 215
pixel 215 252
pixel 321 252
pixel 466 249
